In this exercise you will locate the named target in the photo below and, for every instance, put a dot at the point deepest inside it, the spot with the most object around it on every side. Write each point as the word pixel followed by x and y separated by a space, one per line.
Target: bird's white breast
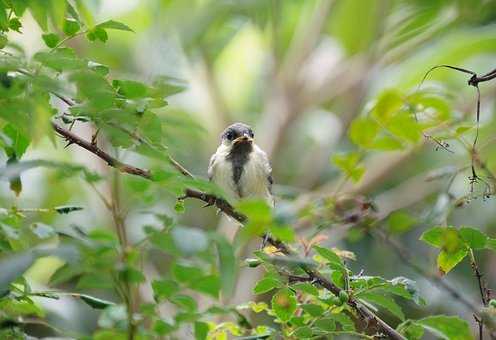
pixel 254 178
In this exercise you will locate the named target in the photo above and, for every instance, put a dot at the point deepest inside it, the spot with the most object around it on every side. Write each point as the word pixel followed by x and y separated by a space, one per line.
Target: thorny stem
pixel 315 277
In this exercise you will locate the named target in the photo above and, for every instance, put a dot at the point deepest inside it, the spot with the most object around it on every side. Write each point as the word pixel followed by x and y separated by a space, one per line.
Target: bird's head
pixel 237 135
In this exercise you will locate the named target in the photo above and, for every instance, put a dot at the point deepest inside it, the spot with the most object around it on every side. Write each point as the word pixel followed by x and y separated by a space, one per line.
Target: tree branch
pixel 94 149
pixel 227 209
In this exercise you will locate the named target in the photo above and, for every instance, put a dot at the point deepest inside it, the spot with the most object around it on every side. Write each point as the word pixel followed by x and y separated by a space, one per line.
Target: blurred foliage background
pixel 330 88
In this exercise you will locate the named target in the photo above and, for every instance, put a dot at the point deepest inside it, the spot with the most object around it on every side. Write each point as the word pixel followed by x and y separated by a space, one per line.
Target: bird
pixel 240 167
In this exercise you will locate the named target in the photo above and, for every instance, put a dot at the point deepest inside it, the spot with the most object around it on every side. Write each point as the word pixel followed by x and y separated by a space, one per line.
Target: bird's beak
pixel 243 139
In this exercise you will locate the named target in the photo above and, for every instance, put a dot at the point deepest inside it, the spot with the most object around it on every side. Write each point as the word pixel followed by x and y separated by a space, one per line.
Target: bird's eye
pixel 230 135
pixel 252 134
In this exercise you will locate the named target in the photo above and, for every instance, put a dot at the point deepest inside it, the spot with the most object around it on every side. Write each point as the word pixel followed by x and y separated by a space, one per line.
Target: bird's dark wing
pixel 271 181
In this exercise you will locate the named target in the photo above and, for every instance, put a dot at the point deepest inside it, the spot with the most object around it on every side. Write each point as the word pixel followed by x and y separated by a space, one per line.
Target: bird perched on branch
pixel 240 167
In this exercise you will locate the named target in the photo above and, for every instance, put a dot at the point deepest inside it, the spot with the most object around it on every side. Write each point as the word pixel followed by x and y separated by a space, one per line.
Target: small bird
pixel 240 167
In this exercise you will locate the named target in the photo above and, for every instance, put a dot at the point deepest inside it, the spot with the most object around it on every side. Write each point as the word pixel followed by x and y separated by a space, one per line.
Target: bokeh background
pixel 299 72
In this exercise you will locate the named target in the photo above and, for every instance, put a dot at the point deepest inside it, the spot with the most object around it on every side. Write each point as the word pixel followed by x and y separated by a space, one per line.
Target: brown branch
pixel 227 209
pixel 94 149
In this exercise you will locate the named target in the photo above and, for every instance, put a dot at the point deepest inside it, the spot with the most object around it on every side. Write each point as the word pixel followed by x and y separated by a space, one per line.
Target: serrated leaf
pixel 329 255
pixel 434 236
pixel 284 304
pixel 448 260
pixel 447 327
pixel 474 238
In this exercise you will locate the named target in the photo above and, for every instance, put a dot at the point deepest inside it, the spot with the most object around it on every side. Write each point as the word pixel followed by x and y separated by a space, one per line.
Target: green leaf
pixel 130 89
pixel 434 236
pixel 266 285
pixel 162 328
pixel 326 324
pixel 284 304
pixel 363 131
pixel 447 327
pixel 304 332
pixel 39 11
pixel 227 265
pixel 97 33
pixel 453 247
pixel 312 309
pixel 201 330
pixel 115 25
pixel 400 222
pixel 474 238
pixel 349 165
pixel 209 284
pixel 3 40
pixel 17 143
pixel 19 6
pixel 164 289
pixel 186 274
pixel 384 301
pixel 329 255
pixel 388 104
pixel 185 302
pixel 60 59
pixel 15 25
pixel 98 68
pixel 344 320
pixel 448 260
pixel 71 27
pixel 51 39
pixel 306 287
pixel 258 211
pixel 411 330
pixel 94 302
